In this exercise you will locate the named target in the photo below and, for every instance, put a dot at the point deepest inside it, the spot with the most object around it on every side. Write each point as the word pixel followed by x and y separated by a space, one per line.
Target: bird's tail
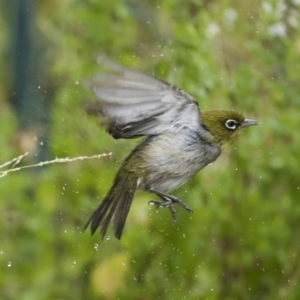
pixel 115 206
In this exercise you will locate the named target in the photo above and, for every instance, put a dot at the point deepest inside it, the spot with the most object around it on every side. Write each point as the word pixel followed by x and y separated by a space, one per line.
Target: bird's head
pixel 225 125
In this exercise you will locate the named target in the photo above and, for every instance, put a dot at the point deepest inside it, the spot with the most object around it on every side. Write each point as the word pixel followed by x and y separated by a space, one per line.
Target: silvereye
pixel 180 140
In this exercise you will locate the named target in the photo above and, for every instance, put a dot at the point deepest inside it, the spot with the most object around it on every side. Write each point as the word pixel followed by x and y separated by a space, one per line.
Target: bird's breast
pixel 169 160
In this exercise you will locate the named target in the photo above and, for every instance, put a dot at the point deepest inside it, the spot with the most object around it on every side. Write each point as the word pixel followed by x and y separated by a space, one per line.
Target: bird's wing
pixel 134 104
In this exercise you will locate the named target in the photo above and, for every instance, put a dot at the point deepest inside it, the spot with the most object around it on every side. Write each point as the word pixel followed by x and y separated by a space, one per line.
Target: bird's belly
pixel 169 175
pixel 167 161
pixel 167 169
pixel 166 184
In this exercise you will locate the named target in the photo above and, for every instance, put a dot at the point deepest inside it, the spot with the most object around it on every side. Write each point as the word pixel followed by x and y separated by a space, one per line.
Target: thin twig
pixel 16 160
pixel 43 163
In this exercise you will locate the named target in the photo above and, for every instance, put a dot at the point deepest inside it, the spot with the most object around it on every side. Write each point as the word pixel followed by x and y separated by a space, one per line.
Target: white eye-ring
pixel 231 124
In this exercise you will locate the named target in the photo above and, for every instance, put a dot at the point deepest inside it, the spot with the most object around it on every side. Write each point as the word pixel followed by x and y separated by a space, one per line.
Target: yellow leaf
pixel 108 277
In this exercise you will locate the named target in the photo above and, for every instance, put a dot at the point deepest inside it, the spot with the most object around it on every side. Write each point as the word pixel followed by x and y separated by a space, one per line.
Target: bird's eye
pixel 231 124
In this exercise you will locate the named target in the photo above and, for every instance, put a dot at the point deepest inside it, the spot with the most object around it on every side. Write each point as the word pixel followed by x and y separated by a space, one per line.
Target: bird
pixel 179 139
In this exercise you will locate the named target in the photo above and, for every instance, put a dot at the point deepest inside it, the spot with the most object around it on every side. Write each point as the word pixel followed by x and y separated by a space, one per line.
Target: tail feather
pixel 122 211
pixel 115 207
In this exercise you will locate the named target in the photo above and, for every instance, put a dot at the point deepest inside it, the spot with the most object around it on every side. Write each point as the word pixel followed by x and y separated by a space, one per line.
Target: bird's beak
pixel 249 122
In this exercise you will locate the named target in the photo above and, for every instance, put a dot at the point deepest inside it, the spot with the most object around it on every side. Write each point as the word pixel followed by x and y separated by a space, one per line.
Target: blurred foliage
pixel 242 242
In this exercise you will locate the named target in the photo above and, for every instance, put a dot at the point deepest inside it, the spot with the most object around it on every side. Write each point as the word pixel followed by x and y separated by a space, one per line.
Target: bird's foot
pixel 168 204
pixel 169 201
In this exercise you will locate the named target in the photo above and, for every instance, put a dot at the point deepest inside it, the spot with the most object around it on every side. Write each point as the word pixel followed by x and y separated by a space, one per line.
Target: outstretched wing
pixel 134 104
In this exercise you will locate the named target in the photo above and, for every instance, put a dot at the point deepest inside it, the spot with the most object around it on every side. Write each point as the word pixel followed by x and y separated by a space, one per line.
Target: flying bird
pixel 179 139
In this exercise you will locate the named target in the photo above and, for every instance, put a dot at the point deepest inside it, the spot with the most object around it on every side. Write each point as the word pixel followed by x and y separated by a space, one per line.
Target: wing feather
pixel 135 104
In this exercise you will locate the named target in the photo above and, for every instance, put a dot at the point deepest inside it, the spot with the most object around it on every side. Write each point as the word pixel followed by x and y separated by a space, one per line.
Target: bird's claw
pixel 170 205
pixel 169 201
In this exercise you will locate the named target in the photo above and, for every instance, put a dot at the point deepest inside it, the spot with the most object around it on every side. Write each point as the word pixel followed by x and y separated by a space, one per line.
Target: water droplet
pixel 107 238
pixel 96 246
pixel 74 262
pixel 9 264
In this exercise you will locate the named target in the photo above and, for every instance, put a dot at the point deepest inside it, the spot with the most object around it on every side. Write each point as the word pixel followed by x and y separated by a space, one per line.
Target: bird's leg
pixel 168 201
pixel 172 200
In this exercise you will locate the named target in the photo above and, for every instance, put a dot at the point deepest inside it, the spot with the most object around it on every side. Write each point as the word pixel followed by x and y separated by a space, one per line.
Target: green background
pixel 243 240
